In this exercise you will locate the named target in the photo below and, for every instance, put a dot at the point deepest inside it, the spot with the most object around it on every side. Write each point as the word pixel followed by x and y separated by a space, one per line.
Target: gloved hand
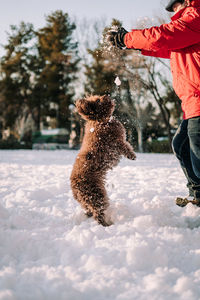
pixel 116 38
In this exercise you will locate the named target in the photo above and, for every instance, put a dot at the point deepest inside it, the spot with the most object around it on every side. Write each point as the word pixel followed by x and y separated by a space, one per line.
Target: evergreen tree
pixel 99 80
pixel 38 72
pixel 15 74
pixel 59 54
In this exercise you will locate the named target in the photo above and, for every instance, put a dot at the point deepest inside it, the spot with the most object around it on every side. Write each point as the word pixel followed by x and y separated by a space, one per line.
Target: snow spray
pixel 106 44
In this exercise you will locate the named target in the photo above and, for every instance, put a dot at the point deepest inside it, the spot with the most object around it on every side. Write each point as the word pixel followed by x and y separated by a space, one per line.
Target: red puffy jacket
pixel 180 41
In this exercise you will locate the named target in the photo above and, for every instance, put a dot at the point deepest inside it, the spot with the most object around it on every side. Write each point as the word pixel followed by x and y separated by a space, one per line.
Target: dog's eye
pixel 98 100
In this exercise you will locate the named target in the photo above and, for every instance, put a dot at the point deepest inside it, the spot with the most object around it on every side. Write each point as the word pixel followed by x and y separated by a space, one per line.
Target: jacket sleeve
pixel 178 34
pixel 160 53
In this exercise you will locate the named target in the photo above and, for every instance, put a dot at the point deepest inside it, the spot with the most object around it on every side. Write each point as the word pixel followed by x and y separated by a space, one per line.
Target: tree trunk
pixel 140 138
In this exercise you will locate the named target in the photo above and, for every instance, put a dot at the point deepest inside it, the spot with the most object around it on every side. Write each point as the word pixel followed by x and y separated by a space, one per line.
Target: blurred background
pixel 54 52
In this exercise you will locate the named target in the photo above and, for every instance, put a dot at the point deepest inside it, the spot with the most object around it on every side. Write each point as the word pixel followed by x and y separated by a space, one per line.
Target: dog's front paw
pixel 131 156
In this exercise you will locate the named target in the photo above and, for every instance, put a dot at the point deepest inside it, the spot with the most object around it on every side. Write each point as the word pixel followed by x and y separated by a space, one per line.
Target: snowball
pixel 117 81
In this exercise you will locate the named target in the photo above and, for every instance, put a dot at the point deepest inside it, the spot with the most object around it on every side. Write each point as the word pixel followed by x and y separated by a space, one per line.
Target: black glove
pixel 116 38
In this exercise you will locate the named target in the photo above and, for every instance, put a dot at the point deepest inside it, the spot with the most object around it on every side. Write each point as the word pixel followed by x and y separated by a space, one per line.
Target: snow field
pixel 50 250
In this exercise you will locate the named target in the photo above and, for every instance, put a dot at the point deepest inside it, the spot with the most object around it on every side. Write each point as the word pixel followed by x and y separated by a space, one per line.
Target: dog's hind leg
pixel 100 218
pixel 94 200
pixel 100 203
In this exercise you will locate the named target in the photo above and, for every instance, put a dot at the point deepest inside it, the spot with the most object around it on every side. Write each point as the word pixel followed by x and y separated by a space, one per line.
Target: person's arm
pixel 160 53
pixel 178 34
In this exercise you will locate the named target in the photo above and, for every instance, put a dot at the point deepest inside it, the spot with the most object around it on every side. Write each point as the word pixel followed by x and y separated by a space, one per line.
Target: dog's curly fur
pixel 103 144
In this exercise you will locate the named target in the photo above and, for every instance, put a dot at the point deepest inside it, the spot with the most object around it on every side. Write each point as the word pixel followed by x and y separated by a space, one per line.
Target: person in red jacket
pixel 178 41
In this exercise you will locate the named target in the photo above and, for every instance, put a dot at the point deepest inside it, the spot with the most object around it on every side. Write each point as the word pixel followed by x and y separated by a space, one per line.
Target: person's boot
pixel 182 202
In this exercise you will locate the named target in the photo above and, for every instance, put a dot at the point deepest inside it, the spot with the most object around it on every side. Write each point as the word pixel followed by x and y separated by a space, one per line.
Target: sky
pixel 12 12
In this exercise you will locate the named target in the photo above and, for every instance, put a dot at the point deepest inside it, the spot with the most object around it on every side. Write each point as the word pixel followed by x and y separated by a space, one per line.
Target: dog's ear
pixel 79 101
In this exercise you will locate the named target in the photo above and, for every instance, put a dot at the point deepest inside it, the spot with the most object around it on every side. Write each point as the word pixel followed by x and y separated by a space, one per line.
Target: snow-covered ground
pixel 49 250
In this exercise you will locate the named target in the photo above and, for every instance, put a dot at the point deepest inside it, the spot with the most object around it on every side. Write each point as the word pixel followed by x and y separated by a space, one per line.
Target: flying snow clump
pixel 117 81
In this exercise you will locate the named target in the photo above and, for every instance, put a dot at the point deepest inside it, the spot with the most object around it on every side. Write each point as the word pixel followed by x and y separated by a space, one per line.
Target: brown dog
pixel 103 144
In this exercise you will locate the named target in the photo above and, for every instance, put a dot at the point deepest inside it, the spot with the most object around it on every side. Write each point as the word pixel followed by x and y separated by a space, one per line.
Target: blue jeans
pixel 186 147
